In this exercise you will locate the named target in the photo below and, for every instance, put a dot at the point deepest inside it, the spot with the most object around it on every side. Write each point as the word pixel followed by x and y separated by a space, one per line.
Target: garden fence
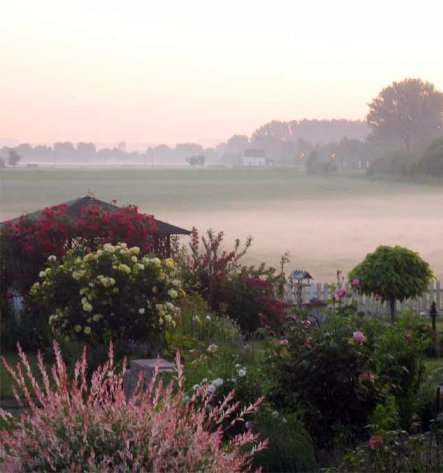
pixel 324 292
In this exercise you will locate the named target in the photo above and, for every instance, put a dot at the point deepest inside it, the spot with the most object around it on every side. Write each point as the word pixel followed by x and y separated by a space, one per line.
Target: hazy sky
pixel 178 71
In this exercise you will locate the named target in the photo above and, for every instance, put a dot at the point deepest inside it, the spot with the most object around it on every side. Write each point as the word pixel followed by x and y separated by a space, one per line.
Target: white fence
pixel 325 292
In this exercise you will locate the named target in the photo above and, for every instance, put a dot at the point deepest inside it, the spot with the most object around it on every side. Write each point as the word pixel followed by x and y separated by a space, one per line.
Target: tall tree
pixel 13 157
pixel 406 113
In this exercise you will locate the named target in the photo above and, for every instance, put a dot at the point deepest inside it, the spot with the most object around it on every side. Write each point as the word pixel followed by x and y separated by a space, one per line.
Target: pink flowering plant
pixel 81 425
pixel 115 292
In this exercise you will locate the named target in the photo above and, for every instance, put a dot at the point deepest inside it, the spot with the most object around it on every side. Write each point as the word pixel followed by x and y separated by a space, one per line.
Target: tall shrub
pixel 74 425
pixel 114 293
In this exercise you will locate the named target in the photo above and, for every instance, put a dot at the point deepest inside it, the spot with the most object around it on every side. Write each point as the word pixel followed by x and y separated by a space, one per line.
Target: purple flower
pixel 340 293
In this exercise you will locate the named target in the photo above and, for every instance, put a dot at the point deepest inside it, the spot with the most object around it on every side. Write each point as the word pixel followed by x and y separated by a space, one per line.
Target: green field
pixel 24 190
pixel 325 222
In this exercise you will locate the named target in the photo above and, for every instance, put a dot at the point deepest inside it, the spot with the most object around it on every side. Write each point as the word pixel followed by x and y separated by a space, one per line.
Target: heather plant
pixel 114 292
pixel 81 425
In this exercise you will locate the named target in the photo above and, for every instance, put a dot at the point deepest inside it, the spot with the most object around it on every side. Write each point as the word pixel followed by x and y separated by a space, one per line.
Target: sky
pixel 149 72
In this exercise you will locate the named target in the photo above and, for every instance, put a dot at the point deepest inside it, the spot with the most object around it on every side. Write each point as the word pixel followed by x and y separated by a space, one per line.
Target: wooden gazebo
pixel 73 208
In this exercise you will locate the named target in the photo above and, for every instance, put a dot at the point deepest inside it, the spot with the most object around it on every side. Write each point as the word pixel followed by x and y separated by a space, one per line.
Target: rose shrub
pixel 114 293
pixel 26 245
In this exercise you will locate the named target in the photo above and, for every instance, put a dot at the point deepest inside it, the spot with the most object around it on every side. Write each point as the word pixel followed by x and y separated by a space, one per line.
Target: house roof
pixel 254 153
pixel 74 208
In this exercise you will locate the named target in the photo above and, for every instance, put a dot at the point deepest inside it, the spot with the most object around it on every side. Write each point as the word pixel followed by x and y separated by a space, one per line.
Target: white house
pixel 254 157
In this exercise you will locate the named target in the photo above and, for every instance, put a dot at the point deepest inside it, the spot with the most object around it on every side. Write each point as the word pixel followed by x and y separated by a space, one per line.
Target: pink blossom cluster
pixel 73 424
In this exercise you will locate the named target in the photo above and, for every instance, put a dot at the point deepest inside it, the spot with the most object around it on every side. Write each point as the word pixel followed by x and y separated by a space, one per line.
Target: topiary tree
pixel 393 273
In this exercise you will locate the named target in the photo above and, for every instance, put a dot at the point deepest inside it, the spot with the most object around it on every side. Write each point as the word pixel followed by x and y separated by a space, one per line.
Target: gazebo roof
pixel 74 208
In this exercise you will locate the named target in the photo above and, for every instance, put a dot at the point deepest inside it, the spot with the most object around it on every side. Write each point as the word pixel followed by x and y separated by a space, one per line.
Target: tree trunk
pixel 392 304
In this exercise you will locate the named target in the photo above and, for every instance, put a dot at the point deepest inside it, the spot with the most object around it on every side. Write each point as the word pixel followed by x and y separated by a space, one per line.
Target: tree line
pixel 402 134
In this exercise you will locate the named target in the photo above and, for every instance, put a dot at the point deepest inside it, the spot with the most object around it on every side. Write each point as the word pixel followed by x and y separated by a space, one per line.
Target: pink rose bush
pixel 76 425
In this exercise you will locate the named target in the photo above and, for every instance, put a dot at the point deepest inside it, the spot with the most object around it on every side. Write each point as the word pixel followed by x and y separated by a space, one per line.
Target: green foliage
pixel 248 294
pixel 331 377
pixel 112 293
pixel 432 161
pixel 395 163
pixel 290 448
pixel 399 357
pixel 393 273
pixel 201 333
pixel 395 452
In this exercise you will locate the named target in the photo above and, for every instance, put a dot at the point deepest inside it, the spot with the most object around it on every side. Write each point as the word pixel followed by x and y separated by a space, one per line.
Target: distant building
pixel 254 157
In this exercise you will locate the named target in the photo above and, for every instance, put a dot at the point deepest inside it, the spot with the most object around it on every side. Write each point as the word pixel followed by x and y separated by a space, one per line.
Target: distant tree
pixel 162 152
pixel 65 150
pixel 432 160
pixel 183 150
pixel 274 129
pixel 393 273
pixel 13 157
pixel 197 160
pixel 406 113
pixel 25 150
pixel 86 151
pixel 237 144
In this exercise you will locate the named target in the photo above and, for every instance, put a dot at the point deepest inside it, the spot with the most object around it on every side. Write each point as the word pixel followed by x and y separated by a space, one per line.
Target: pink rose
pixel 355 282
pixel 340 293
pixel 375 441
pixel 284 342
pixel 359 337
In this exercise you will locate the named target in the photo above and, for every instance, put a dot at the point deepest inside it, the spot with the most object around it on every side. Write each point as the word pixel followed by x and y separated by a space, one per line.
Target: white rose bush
pixel 112 293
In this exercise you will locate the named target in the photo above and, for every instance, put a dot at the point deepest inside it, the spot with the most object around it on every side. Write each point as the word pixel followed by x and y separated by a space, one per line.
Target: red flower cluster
pixel 96 225
pixel 26 245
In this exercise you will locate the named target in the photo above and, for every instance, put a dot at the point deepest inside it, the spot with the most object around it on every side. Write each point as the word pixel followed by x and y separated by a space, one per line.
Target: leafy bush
pixel 398 355
pixel 290 448
pixel 250 295
pixel 331 377
pixel 112 293
pixel 72 424
pixel 395 452
pixel 432 161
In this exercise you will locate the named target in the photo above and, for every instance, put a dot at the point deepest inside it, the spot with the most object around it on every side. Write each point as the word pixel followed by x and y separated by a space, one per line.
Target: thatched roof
pixel 74 209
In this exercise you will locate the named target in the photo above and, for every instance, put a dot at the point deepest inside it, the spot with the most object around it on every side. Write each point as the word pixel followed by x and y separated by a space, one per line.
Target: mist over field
pixel 325 222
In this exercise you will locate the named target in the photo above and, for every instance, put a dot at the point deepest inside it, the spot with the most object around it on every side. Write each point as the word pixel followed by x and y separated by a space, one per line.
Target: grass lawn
pixel 160 190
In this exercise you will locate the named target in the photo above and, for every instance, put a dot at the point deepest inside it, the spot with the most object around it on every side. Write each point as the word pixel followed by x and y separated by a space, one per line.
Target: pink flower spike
pixel 359 337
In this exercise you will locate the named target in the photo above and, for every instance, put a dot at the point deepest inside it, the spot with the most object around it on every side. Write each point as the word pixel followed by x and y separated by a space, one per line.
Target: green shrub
pixel 331 377
pixel 290 448
pixel 399 358
pixel 112 293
